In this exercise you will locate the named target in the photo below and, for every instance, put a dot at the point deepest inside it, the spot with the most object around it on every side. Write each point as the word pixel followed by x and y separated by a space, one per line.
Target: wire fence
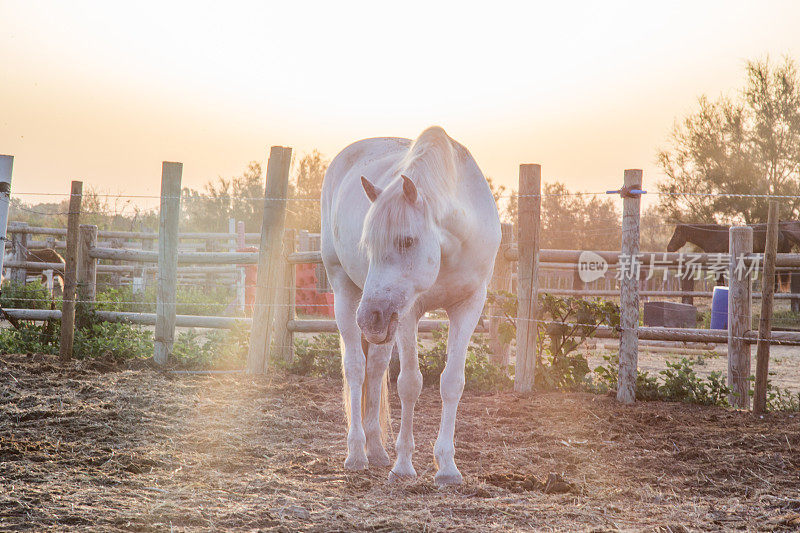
pixel 604 229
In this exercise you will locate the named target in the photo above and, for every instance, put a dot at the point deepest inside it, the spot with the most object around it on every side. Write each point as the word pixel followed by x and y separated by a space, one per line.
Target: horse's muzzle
pixel 378 327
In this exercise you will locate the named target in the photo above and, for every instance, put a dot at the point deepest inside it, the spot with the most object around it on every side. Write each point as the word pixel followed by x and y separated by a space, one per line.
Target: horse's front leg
pixel 376 401
pixel 409 386
pixel 463 317
pixel 346 300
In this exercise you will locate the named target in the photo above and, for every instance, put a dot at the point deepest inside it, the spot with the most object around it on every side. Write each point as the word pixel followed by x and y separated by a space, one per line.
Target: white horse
pixel 424 236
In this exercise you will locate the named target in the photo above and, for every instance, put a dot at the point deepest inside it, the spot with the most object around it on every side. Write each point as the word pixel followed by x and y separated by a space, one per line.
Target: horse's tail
pixel 384 414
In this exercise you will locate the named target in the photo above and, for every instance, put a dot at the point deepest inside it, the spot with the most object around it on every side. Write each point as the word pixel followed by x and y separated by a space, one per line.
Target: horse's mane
pixel 431 163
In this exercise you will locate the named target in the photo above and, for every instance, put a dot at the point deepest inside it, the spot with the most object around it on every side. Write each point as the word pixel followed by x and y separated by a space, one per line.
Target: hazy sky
pixel 104 91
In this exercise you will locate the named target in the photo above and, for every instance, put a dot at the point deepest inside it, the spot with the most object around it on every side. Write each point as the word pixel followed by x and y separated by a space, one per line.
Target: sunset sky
pixel 104 91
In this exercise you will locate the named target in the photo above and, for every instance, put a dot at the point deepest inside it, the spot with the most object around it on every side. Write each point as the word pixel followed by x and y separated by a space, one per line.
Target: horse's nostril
pixel 376 318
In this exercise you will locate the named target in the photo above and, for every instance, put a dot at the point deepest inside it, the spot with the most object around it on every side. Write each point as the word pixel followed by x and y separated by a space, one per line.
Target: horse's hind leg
pixel 463 319
pixel 346 299
pixel 409 385
pixel 375 399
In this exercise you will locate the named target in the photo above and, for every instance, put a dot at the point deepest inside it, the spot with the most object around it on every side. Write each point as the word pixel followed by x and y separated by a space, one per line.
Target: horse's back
pixel 360 155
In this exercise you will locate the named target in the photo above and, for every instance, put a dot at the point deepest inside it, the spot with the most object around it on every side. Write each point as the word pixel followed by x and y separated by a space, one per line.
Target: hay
pixel 138 449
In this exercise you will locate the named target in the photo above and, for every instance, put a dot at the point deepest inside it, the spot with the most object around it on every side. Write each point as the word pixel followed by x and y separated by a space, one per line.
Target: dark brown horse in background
pixel 713 238
pixel 47 255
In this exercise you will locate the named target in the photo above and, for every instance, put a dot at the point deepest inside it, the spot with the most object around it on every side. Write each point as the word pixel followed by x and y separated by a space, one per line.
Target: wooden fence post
pixel 48 278
pixel 87 270
pixel 269 259
pixel 70 272
pixel 765 322
pixel 501 281
pixel 20 247
pixel 6 168
pixel 629 292
pixel 530 200
pixel 116 277
pixel 240 235
pixel 241 281
pixel 739 316
pixel 285 307
pixel 167 276
pixel 232 231
pixel 794 288
pixel 210 278
pixel 147 244
pixel 687 285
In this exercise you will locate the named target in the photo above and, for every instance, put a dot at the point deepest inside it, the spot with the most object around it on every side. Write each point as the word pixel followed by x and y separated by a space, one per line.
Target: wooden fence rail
pixel 274 322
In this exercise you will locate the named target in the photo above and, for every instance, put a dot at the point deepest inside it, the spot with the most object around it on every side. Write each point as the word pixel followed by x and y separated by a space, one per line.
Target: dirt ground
pixel 87 448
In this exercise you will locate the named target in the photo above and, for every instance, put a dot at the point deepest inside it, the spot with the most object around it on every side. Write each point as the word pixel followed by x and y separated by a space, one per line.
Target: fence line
pixel 273 329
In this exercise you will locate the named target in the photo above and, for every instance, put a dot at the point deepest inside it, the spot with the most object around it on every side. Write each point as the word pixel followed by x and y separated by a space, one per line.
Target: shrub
pixel 30 338
pixel 113 340
pixel 33 295
pixel 318 356
pixel 191 299
pixel 680 383
pixel 480 374
pixel 782 399
pixel 218 349
pixel 607 379
pixel 567 323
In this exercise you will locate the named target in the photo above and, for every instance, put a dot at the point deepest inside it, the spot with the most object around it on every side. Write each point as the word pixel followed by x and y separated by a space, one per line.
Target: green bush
pixel 566 324
pixel 607 379
pixel 217 349
pixel 30 338
pixel 682 384
pixel 679 383
pixel 480 373
pixel 191 299
pixel 318 356
pixel 113 340
pixel 33 295
pixel 781 399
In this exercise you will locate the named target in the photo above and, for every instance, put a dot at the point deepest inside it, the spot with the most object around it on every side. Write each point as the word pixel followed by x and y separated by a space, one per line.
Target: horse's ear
pixel 409 190
pixel 371 190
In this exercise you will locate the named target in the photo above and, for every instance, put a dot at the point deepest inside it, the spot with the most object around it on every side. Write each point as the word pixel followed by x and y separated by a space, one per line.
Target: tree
pixel 506 200
pixel 106 211
pixel 240 198
pixel 744 145
pixel 578 222
pixel 654 234
pixel 303 208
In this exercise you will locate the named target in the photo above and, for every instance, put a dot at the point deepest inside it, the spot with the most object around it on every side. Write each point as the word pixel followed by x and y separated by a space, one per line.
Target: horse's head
pixel 678 239
pixel 402 243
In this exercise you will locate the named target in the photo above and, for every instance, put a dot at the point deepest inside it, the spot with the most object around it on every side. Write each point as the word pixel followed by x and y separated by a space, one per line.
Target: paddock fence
pixel 521 266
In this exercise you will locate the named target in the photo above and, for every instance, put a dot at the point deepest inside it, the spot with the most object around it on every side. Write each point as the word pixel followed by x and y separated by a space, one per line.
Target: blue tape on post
pixel 632 191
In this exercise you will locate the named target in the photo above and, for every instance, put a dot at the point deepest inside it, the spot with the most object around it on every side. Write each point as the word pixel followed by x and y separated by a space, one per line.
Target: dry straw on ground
pixel 125 449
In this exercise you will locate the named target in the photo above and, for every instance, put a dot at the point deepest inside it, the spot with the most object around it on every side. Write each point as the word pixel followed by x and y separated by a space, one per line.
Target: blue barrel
pixel 719 308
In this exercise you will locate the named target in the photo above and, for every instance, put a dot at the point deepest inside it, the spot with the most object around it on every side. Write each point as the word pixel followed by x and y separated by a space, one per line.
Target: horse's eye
pixel 404 243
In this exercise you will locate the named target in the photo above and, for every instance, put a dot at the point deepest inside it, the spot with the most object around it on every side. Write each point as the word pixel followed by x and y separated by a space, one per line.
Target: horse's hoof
pixel 379 459
pixel 448 479
pixel 394 477
pixel 356 463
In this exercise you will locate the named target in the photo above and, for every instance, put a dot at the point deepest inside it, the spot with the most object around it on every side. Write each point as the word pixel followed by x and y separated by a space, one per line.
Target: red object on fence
pixel 307 298
pixel 250 276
